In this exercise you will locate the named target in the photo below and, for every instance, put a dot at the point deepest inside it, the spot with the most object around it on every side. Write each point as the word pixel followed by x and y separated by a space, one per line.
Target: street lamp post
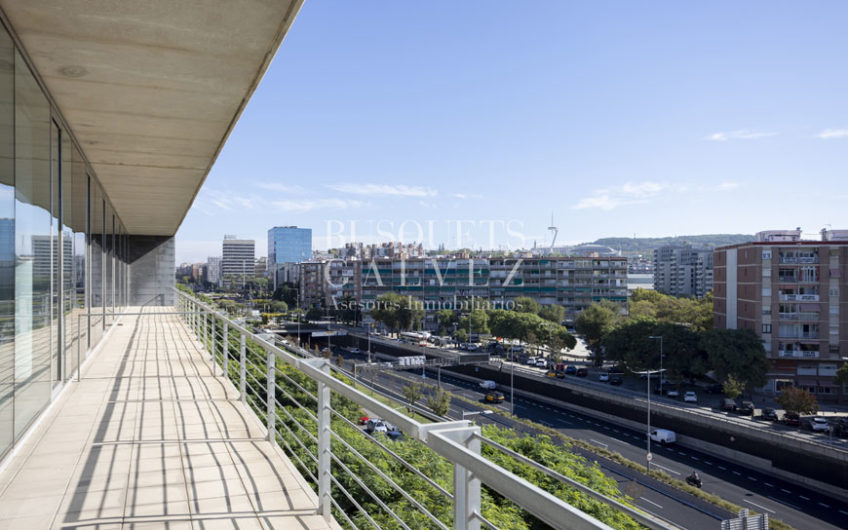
pixel 662 374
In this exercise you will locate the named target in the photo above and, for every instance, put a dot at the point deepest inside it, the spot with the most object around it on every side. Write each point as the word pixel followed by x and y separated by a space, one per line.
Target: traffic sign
pixel 650 457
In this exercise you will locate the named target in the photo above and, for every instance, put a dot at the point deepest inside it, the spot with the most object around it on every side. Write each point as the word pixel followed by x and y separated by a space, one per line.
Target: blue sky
pixel 471 122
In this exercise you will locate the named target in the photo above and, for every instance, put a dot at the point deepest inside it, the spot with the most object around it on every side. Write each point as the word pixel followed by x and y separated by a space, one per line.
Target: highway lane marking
pixel 843 512
pixel 758 506
pixel 666 468
pixel 751 478
pixel 805 498
pixel 769 485
pixel 784 502
pixel 785 490
pixel 602 444
pixel 616 430
pixel 669 449
pixel 737 473
pixel 708 462
pixel 694 458
pixel 652 502
pixel 682 453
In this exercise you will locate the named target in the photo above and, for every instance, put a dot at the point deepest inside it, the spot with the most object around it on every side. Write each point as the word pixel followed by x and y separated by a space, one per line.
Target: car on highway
pixel 560 374
pixel 672 392
pixel 769 414
pixel 375 425
pixel 570 369
pixel 531 361
pixel 541 363
pixel 488 384
pixel 819 424
pixel 663 436
pixel 840 427
pixel 551 373
pixel 604 377
pixel 792 419
pixel 581 372
pixel 363 420
pixel 355 350
pixel 616 380
pixel 495 397
pixel 690 397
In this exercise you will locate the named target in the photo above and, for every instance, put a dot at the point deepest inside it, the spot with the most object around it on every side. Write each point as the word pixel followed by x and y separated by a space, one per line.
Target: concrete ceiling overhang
pixel 150 88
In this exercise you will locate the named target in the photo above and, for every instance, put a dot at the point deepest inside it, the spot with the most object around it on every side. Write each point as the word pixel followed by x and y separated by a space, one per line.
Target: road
pixel 795 505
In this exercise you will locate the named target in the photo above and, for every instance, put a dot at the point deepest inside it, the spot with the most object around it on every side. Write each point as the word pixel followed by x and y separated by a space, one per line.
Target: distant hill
pixel 640 245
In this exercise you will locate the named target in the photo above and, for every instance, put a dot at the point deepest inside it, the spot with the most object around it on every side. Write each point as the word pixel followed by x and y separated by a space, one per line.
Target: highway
pixel 793 504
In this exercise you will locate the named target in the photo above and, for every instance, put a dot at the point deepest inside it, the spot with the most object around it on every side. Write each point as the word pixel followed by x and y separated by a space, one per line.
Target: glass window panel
pixel 109 255
pixel 78 224
pixel 7 243
pixel 96 257
pixel 49 255
pixel 32 231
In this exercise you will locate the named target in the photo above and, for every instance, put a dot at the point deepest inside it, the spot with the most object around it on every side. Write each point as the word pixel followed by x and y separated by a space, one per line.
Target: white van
pixel 663 436
pixel 487 384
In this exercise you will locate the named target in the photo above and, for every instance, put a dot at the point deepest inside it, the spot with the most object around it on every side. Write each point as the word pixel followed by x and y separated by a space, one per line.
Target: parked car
pixel 819 424
pixel 616 380
pixel 488 384
pixel 541 363
pixel 570 370
pixel 375 425
pixel 531 361
pixel 747 408
pixel 690 397
pixel 728 405
pixel 672 392
pixel 840 427
pixel 769 414
pixel 663 436
pixel 792 418
pixel 495 397
pixel 581 372
pixel 604 377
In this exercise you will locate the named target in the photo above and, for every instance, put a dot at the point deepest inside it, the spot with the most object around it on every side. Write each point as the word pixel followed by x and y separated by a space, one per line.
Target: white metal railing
pixel 459 442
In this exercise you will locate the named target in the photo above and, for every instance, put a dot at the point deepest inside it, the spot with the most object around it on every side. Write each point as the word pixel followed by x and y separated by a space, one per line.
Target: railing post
pixel 205 328
pixel 242 368
pixel 225 351
pixel 270 394
pixel 324 445
pixel 212 347
pixel 466 487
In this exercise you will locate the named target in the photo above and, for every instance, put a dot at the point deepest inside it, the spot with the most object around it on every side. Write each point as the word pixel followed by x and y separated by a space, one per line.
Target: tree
pixel 596 321
pixel 554 313
pixel 439 402
pixel 461 335
pixel 397 312
pixel 340 360
pixel 731 387
pixel 479 321
pixel 793 399
pixel 412 393
pixel 525 304
pixel 629 344
pixel 446 319
pixel 841 379
pixel 738 352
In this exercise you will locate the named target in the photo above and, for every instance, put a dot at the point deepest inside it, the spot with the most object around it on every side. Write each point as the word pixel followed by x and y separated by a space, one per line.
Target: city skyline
pixel 653 120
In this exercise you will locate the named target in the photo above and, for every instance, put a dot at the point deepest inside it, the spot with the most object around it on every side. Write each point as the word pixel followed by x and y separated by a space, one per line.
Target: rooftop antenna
pixel 555 230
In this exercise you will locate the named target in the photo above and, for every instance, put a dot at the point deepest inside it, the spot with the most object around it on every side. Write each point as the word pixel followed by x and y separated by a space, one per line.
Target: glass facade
pixel 62 251
pixel 289 244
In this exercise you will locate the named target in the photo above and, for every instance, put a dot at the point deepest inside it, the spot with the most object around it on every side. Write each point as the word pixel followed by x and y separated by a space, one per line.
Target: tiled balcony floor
pixel 150 439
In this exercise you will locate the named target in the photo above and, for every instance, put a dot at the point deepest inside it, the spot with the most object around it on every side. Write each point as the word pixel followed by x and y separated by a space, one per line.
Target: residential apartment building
pixel 445 283
pixel 238 257
pixel 213 270
pixel 683 270
pixel 792 292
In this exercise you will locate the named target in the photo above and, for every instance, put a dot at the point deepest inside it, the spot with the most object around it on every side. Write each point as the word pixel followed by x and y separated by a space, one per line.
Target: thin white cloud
pixel 601 202
pixel 831 134
pixel 308 205
pixel 739 134
pixel 393 190
pixel 277 186
pixel 641 192
pixel 727 186
pixel 466 195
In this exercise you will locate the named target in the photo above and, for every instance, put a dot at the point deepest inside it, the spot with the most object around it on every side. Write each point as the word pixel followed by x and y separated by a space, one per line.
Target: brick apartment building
pixel 792 292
